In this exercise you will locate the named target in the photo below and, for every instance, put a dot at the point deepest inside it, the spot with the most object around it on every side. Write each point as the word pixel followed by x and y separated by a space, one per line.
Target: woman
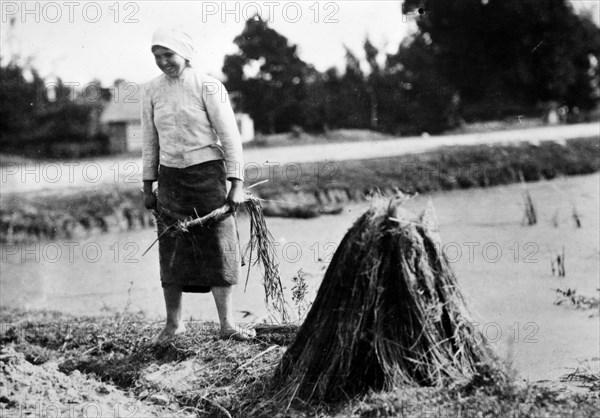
pixel 184 115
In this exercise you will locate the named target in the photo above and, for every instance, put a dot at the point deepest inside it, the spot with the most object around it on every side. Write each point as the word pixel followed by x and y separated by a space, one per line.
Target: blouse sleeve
pixel 223 122
pixel 150 146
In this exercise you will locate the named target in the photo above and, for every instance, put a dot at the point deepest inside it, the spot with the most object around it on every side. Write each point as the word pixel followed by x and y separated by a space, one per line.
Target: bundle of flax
pixel 388 313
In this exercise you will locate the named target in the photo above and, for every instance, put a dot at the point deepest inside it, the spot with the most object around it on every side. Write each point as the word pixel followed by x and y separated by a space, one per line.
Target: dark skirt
pixel 203 257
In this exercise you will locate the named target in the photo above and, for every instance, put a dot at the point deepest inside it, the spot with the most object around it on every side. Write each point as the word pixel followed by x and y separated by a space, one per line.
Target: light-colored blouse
pixel 188 120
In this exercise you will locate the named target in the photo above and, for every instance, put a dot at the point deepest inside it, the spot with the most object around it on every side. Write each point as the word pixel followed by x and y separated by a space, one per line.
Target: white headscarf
pixel 174 39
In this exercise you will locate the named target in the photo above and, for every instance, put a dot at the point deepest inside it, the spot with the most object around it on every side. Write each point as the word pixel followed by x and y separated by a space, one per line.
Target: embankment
pixel 305 189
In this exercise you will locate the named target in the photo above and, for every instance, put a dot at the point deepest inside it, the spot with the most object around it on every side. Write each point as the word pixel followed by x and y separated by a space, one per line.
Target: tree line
pixel 49 119
pixel 467 60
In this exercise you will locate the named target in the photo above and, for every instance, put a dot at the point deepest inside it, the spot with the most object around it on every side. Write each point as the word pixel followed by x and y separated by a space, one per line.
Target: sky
pixel 109 40
pixel 80 41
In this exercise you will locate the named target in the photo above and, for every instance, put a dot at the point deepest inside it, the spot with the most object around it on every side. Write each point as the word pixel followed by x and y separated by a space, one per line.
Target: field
pixel 79 300
pixel 503 267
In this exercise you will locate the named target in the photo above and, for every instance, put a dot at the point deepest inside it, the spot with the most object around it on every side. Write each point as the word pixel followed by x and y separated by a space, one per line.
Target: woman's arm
pixel 223 121
pixel 150 149
pixel 236 193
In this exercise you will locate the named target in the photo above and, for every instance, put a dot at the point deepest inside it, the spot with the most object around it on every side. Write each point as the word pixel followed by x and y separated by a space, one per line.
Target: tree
pixel 354 96
pixel 507 56
pixel 275 97
pixel 18 100
pixel 418 98
pixel 37 124
pixel 373 81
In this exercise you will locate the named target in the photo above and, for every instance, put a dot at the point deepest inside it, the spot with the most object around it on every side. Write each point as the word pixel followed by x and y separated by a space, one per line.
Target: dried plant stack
pixel 388 313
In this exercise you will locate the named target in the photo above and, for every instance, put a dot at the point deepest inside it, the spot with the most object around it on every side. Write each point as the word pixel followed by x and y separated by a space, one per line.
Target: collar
pixel 180 78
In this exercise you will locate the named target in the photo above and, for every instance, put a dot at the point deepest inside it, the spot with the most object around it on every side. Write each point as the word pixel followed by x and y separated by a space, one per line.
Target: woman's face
pixel 169 62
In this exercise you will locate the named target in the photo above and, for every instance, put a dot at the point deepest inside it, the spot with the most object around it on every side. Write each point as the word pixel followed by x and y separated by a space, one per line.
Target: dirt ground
pixel 44 391
pixel 53 365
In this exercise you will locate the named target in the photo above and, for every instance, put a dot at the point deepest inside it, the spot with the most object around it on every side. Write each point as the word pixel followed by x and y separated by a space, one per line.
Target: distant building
pixel 121 120
pixel 245 126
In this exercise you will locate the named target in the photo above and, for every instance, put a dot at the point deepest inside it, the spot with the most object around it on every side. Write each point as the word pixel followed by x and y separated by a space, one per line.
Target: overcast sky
pixel 81 41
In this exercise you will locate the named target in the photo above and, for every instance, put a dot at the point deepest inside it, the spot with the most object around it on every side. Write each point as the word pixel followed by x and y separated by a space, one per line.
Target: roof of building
pixel 124 106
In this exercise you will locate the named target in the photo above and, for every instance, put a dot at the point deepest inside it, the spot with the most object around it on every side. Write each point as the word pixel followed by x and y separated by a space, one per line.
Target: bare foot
pixel 168 332
pixel 238 334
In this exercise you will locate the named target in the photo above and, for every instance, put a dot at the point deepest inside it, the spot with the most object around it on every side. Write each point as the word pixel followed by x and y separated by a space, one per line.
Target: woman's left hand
pixel 236 194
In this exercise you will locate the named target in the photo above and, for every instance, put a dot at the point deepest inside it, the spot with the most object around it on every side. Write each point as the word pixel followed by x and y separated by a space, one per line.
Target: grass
pixel 79 213
pixel 570 297
pixel 71 214
pixel 443 169
pixel 211 377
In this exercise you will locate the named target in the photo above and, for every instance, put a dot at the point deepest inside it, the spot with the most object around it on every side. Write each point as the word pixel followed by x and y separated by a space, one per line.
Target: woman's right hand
pixel 150 200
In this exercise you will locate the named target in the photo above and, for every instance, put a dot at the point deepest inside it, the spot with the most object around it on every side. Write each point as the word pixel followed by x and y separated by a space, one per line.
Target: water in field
pixel 503 267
